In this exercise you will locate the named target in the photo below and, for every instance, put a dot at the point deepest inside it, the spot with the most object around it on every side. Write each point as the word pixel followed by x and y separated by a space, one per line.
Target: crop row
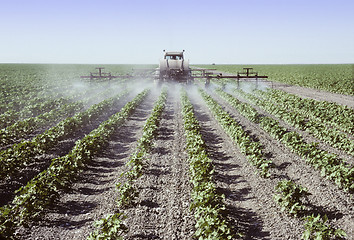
pixel 28 100
pixel 112 226
pixel 17 97
pixel 21 129
pixel 207 203
pixel 24 152
pixel 44 189
pixel 289 195
pixel 137 161
pixel 249 147
pixel 336 78
pixel 13 89
pixel 30 110
pixel 23 107
pixel 292 198
pixel 330 165
pixel 339 116
pixel 19 83
pixel 329 135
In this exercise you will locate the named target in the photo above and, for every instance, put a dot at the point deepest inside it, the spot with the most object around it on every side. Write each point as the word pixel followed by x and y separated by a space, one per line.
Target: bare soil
pixel 164 198
pixel 162 209
pixel 326 197
pixel 93 196
pixel 9 185
pixel 316 94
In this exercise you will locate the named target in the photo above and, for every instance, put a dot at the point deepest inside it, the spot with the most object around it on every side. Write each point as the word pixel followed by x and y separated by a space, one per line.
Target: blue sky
pixel 136 31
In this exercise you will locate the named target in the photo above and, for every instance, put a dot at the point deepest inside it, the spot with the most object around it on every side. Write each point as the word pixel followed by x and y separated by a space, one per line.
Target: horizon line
pixel 189 64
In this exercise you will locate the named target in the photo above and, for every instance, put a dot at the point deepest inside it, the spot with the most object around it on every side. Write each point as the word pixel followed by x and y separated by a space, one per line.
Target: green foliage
pixel 136 164
pixel 34 108
pixel 317 229
pixel 290 197
pixel 23 153
pixel 43 189
pixel 249 147
pixel 339 116
pixel 128 194
pixel 110 227
pixel 310 115
pixel 207 203
pixel 21 129
pixel 336 78
pixel 152 123
pixel 330 165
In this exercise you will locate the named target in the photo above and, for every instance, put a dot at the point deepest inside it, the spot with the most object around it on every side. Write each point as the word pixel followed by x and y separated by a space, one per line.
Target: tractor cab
pixel 173 55
pixel 173 67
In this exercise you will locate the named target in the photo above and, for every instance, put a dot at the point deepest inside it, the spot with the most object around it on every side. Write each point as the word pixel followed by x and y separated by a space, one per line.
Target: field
pixel 336 78
pixel 129 159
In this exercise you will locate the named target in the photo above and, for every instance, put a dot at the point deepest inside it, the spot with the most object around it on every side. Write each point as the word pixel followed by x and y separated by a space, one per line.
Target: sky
pixel 210 31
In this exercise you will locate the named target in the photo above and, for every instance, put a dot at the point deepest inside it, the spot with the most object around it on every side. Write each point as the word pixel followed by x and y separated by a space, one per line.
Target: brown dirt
pixel 93 196
pixel 248 196
pixel 162 210
pixel 164 198
pixel 306 135
pixel 316 94
pixel 326 197
pixel 9 185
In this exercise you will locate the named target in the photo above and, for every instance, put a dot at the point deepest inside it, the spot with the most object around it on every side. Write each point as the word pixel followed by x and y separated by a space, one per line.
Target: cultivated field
pixel 131 159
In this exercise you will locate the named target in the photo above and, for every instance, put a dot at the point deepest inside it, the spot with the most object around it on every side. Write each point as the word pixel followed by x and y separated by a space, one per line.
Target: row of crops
pixel 330 165
pixel 290 197
pixel 43 189
pixel 208 205
pixel 32 128
pixel 112 226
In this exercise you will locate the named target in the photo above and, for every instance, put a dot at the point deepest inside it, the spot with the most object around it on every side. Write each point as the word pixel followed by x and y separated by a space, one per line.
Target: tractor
pixel 173 67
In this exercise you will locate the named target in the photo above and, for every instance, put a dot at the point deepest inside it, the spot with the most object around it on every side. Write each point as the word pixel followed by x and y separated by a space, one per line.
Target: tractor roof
pixel 173 53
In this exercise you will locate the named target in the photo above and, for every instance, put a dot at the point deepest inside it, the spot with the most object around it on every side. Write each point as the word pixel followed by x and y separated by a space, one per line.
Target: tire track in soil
pixel 164 198
pixel 325 198
pixel 93 195
pixel 248 197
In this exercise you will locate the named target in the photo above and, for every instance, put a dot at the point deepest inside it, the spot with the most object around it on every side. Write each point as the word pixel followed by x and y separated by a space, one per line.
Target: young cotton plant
pixel 110 227
pixel 32 199
pixel 250 148
pixel 290 197
pixel 128 194
pixel 207 203
pixel 137 163
pixel 317 229
pixel 330 165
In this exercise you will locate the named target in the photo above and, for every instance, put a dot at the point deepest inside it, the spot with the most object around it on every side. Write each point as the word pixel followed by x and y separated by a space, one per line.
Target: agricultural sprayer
pixel 173 67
